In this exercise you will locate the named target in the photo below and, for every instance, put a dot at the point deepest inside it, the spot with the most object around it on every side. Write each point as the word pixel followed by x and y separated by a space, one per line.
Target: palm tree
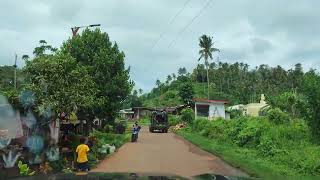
pixel 25 57
pixel 206 50
pixel 174 76
pixel 169 78
pixel 140 91
pixel 158 83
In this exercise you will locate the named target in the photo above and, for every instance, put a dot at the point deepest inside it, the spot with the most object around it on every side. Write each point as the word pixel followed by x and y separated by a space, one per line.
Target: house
pixel 209 108
pixel 140 112
pixel 127 113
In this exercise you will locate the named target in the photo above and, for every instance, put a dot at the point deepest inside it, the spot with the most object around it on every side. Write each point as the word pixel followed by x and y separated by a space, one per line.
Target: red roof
pixel 209 100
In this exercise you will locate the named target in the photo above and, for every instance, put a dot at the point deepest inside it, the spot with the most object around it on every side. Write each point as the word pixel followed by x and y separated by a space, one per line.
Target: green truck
pixel 159 122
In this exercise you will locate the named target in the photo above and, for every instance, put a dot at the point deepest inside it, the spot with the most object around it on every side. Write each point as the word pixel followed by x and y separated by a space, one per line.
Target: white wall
pixel 217 110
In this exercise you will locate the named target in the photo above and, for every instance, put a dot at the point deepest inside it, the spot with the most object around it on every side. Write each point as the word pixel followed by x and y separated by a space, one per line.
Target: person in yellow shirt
pixel 82 155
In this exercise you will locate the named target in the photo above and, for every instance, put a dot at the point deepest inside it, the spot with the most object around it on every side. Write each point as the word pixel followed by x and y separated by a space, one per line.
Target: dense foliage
pixel 58 82
pixel 86 76
pixel 286 148
pixel 235 82
pixel 187 115
pixel 105 63
pixel 186 92
pixel 292 91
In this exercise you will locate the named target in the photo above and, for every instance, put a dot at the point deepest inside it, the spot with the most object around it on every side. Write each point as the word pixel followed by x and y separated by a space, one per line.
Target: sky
pixel 255 32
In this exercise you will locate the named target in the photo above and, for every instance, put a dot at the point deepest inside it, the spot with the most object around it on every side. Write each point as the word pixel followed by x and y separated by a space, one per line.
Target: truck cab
pixel 159 122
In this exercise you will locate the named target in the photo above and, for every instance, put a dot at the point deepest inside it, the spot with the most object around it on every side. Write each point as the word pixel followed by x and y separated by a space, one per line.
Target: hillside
pixel 234 82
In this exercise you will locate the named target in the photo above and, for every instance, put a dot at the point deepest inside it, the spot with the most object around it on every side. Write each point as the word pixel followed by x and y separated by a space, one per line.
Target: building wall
pixel 217 110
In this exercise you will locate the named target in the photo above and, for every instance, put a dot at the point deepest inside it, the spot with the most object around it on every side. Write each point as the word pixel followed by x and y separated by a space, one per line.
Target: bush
pixel 251 132
pixel 217 129
pixel 187 115
pixel 107 128
pixel 174 120
pixel 277 116
pixel 57 166
pixel 285 147
pixel 120 126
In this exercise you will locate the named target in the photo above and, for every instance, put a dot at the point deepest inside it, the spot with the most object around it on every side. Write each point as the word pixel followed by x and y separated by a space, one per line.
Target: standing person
pixel 134 133
pixel 138 129
pixel 82 155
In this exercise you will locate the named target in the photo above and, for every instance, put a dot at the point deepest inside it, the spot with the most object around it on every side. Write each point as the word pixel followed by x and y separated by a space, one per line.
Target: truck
pixel 159 122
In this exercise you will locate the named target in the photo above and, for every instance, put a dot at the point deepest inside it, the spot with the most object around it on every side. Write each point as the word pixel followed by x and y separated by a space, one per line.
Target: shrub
pixel 107 128
pixel 235 113
pixel 57 166
pixel 217 129
pixel 251 132
pixel 235 126
pixel 187 115
pixel 174 120
pixel 277 116
pixel 120 126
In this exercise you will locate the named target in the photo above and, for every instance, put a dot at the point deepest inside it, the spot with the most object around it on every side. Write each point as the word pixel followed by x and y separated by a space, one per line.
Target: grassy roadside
pixel 246 159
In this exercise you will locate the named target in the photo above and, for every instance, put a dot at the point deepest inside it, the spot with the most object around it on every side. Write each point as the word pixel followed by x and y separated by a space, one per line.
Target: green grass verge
pixel 247 160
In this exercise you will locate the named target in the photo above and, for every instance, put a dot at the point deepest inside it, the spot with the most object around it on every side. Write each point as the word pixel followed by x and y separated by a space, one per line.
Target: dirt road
pixel 164 153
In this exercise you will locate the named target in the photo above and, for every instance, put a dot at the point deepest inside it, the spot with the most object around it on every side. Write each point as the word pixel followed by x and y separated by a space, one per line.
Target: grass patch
pixel 249 160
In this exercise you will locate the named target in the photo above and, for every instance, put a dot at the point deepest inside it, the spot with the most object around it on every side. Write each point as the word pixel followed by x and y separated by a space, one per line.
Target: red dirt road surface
pixel 165 154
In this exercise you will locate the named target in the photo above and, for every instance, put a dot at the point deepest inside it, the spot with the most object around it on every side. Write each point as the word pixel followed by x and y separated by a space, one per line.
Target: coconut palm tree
pixel 206 50
pixel 140 91
pixel 25 57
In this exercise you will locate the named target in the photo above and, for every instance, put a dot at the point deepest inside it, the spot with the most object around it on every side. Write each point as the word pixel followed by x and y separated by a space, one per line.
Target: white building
pixel 209 108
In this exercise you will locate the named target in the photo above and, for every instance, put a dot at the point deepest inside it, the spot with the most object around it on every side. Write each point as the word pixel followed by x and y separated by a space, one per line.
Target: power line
pixel 192 20
pixel 170 22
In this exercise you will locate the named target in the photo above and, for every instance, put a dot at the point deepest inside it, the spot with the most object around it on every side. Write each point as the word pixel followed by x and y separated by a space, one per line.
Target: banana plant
pixel 10 159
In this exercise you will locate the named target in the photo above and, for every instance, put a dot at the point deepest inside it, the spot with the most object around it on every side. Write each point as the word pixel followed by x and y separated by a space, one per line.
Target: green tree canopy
pixel 186 92
pixel 105 64
pixel 59 83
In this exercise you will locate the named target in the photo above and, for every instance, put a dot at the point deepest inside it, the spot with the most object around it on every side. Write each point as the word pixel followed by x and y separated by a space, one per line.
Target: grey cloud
pixel 254 32
pixel 260 45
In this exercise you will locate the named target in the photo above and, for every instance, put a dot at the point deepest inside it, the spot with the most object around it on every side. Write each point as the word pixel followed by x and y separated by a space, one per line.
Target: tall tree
pixel 182 71
pixel 41 50
pixel 60 84
pixel 206 50
pixel 25 57
pixel 186 92
pixel 174 76
pixel 311 84
pixel 169 78
pixel 158 83
pixel 105 62
pixel 140 91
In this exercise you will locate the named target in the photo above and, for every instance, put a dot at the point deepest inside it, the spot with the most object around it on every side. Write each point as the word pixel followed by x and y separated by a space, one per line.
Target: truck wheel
pixel 166 130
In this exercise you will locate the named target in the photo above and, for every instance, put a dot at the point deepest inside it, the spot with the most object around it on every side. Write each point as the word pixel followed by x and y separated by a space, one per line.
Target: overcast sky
pixel 256 32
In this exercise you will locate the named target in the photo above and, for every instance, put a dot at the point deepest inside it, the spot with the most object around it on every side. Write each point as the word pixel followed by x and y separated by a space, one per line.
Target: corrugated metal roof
pixel 210 100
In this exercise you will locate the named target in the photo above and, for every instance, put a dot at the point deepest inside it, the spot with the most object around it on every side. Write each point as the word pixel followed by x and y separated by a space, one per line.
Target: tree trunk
pixel 202 74
pixel 208 80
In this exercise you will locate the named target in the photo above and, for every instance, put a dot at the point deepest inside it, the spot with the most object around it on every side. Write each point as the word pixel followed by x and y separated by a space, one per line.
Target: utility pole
pixel 76 28
pixel 15 71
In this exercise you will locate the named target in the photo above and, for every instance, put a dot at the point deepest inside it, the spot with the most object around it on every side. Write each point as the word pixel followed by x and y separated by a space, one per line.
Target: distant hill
pixel 234 82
